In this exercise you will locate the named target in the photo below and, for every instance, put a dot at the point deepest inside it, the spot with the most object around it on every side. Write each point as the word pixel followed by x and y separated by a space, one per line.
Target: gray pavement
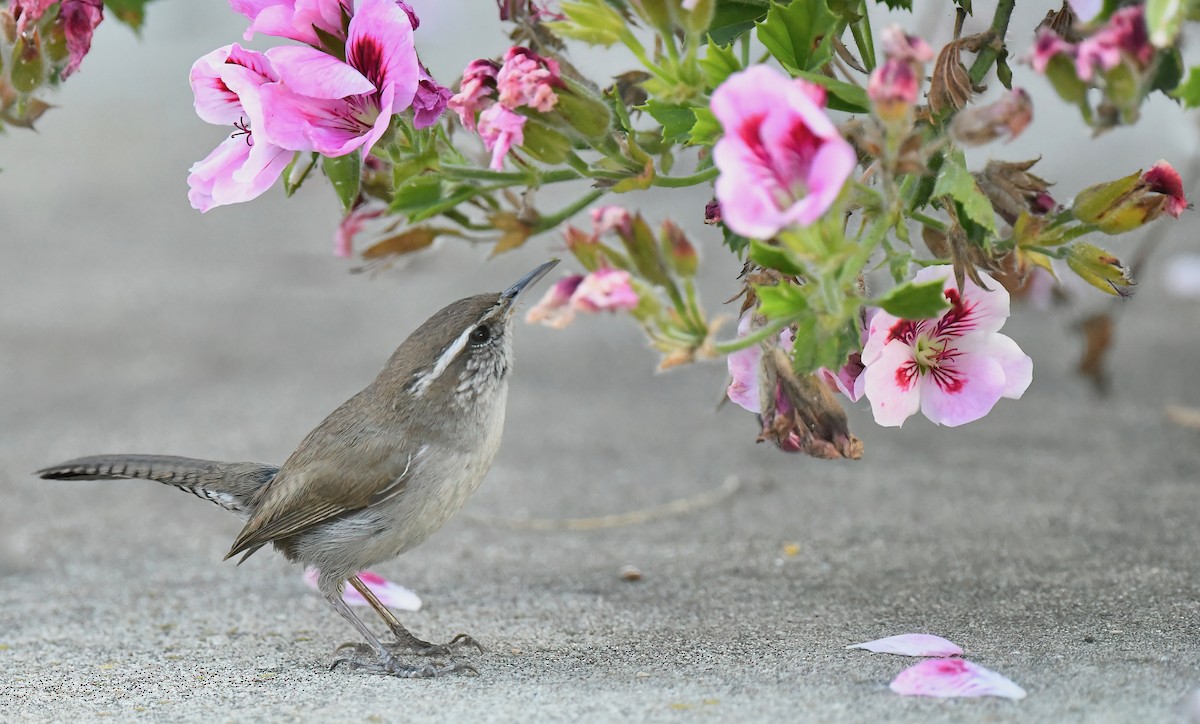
pixel 1056 540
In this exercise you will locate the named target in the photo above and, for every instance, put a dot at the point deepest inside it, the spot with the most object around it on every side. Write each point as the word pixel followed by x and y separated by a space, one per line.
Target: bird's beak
pixel 509 296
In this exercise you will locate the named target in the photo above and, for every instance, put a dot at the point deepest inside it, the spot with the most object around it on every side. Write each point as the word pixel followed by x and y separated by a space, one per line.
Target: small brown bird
pixel 375 478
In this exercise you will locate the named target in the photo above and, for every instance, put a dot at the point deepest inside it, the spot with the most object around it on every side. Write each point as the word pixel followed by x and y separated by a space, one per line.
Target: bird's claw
pixel 407 643
pixel 391 666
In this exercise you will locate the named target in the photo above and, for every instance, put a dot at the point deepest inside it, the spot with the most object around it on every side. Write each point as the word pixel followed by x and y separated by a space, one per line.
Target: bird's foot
pixel 365 659
pixel 407 644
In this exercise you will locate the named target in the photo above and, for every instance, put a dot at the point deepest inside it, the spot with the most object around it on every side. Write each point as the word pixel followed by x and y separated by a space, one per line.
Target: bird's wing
pixel 348 463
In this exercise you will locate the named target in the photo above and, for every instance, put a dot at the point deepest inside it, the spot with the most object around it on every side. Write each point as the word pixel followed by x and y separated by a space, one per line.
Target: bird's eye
pixel 480 334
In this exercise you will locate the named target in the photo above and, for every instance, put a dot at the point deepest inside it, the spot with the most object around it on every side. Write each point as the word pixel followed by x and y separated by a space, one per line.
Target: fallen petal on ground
pixel 389 593
pixel 946 678
pixel 912 644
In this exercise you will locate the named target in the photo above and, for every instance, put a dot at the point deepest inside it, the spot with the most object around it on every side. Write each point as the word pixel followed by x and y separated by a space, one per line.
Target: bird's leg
pixel 385 662
pixel 404 639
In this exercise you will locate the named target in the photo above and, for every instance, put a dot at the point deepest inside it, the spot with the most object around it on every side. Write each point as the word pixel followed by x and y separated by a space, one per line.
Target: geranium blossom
pixel 954 368
pixel 226 84
pixel 79 19
pixel 528 79
pixel 602 290
pixel 500 129
pixel 781 159
pixel 294 19
pixel 322 104
pixel 476 91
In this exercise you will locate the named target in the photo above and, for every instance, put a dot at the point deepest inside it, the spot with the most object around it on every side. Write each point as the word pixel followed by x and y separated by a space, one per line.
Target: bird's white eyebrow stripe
pixel 425 379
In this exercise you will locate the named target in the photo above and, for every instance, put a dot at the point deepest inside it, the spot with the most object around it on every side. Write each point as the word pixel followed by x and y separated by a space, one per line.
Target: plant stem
pixel 862 37
pixel 990 52
pixel 699 177
pixel 549 222
pixel 768 330
pixel 927 220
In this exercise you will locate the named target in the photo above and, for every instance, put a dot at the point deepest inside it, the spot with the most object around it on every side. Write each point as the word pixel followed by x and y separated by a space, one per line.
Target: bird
pixel 377 477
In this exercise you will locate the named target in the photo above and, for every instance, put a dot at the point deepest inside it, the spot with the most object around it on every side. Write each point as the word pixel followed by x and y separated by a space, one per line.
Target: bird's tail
pixel 229 485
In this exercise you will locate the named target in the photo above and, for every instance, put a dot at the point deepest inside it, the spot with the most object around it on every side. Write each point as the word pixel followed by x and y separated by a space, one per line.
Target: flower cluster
pixel 491 94
pixel 1117 58
pixel 40 48
pixel 334 96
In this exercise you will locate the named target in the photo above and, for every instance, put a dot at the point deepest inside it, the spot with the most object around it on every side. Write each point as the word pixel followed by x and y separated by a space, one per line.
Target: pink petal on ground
pixel 946 678
pixel 912 645
pixel 389 593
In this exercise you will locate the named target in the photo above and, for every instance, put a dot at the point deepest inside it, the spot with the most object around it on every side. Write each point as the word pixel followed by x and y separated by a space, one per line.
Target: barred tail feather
pixel 229 485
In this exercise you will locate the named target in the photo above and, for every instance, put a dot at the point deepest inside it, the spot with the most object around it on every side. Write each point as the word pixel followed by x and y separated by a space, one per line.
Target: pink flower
pixel 954 368
pixel 295 19
pixel 322 104
pixel 430 100
pixel 781 159
pixel 351 226
pixel 79 18
pixel 893 88
pixel 28 11
pixel 226 84
pixel 605 290
pixel 1162 178
pixel 945 678
pixel 899 45
pixel 476 91
pixel 554 309
pixel 744 366
pixel 528 79
pixel 611 218
pixel 500 129
pixel 1047 46
pixel 849 379
pixel 1124 36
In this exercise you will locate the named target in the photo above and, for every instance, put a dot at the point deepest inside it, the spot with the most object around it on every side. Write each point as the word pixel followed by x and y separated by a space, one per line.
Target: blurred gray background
pixel 1055 539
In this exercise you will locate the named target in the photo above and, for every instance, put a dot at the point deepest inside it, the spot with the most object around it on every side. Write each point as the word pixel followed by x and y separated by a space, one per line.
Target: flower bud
pixel 899 45
pixel 545 144
pixel 586 248
pixel 696 15
pixel 1125 204
pixel 680 253
pixel 656 13
pixel 28 69
pixel 55 43
pixel 8 26
pixel 1100 269
pixel 584 111
pixel 892 89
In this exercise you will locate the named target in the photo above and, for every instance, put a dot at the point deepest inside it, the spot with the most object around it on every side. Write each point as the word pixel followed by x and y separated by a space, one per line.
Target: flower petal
pixel 235 172
pixel 912 645
pixel 1017 366
pixel 892 386
pixel 945 678
pixel 313 73
pixel 215 102
pixel 379 44
pixel 963 389
pixel 973 309
pixel 389 593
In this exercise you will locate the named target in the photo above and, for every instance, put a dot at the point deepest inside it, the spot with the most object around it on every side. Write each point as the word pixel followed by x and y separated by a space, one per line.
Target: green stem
pixel 699 177
pixel 549 222
pixel 532 177
pixel 768 330
pixel 927 220
pixel 990 52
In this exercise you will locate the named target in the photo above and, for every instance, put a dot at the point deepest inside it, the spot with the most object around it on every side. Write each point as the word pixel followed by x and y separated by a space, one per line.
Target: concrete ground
pixel 1056 540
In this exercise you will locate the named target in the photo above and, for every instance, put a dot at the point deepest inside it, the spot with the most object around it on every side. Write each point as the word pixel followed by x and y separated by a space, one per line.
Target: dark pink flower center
pixel 789 162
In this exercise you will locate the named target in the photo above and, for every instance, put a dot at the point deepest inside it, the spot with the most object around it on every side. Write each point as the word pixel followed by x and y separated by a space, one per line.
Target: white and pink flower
pixel 782 161
pixel 953 368
pixel 226 84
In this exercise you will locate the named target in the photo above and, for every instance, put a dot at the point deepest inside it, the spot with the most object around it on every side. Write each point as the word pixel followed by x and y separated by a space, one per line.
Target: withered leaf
pixel 950 85
pixel 406 242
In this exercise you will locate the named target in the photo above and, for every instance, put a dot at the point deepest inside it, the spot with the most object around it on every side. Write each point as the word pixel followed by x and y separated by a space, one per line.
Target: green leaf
pixel 913 300
pixel 955 181
pixel 843 96
pixel 1188 92
pixel 718 64
pixel 734 18
pixel 416 193
pixel 706 130
pixel 676 120
pixel 1164 19
pixel 345 173
pixel 1169 72
pixel 736 242
pixel 130 12
pixel 781 301
pixel 774 257
pixel 799 34
pixel 904 4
